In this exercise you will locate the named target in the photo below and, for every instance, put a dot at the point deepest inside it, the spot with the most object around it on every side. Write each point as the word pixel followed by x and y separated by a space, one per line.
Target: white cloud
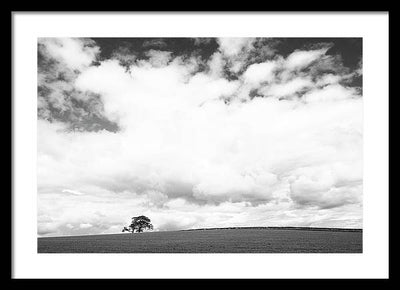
pixel 75 53
pixel 235 51
pixel 75 192
pixel 334 92
pixel 301 59
pixel 216 65
pixel 85 226
pixel 232 46
pixel 328 79
pixel 260 72
pixel 288 88
pixel 158 58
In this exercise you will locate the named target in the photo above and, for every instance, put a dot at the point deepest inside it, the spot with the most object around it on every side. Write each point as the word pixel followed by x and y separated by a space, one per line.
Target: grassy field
pixel 248 240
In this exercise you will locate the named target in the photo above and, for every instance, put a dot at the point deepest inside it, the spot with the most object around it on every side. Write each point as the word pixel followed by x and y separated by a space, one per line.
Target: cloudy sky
pixel 198 132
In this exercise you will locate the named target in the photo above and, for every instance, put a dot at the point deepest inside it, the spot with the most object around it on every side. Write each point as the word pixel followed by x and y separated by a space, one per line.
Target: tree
pixel 138 224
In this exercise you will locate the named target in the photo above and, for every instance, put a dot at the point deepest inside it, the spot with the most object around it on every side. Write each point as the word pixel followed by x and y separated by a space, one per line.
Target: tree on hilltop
pixel 138 224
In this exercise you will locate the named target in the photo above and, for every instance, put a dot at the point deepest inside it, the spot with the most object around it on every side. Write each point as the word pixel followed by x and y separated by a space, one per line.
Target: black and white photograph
pixel 188 144
pixel 200 145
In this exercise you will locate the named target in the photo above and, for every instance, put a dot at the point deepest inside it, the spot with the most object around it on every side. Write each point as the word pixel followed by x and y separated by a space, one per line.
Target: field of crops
pixel 209 241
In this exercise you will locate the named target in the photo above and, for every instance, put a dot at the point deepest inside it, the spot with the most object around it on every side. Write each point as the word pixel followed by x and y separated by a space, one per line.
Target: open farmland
pixel 236 240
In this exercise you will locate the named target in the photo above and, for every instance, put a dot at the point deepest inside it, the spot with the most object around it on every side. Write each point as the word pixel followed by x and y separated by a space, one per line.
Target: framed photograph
pixel 201 141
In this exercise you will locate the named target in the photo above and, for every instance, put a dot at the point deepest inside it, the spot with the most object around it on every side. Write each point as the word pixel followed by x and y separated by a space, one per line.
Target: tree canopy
pixel 138 224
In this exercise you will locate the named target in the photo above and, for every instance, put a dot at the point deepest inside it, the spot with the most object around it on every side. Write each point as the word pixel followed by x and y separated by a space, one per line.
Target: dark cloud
pixel 158 43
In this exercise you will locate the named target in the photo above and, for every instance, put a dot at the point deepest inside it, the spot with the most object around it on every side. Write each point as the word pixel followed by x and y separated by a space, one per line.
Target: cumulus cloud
pixel 289 88
pixel 74 53
pixel 158 58
pixel 195 149
pixel 234 46
pixel 333 92
pixel 300 59
pixel 260 72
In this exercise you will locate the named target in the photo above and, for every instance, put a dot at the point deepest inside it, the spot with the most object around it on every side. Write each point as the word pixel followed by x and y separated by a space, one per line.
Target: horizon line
pixel 221 228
